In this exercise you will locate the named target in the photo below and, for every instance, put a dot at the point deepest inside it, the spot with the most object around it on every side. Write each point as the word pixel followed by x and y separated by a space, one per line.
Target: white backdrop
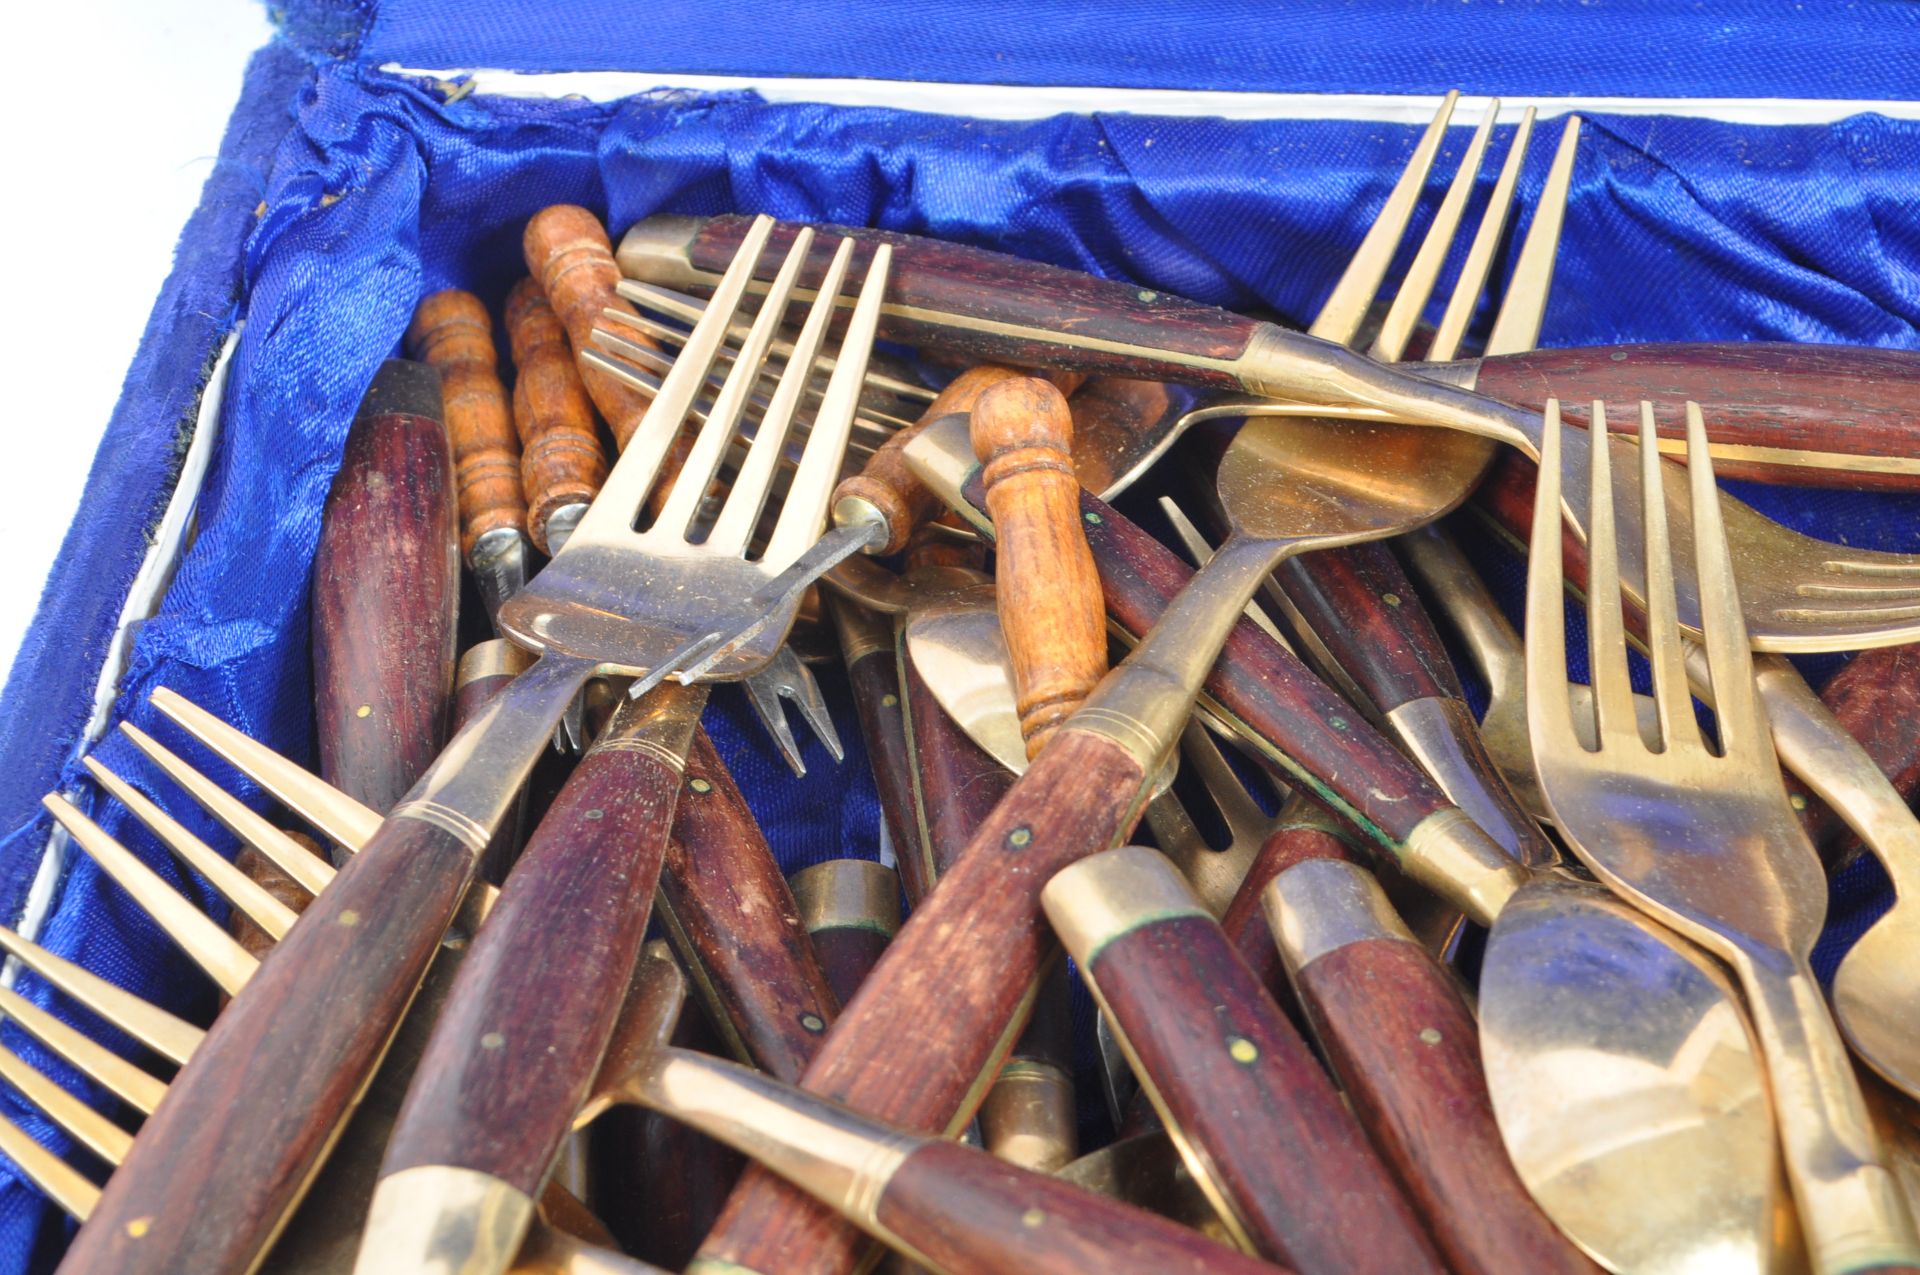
pixel 141 91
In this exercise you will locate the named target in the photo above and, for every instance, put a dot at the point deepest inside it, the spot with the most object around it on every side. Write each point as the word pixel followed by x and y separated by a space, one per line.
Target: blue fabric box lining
pixel 345 193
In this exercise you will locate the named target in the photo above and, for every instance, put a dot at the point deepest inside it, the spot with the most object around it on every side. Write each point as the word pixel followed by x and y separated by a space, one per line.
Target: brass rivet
pixel 1618 356
pixel 813 1022
pixel 700 785
pixel 1241 1050
pixel 492 1040
pixel 1338 723
pixel 349 918
pixel 1797 801
pixel 365 710
pixel 1093 517
pixel 139 1227
pixel 1146 295
pixel 889 700
pixel 1430 1035
pixel 595 815
pixel 1391 599
pixel 1020 838
pixel 1032 1218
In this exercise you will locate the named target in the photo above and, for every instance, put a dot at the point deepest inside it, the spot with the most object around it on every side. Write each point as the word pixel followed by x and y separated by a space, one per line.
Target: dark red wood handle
pixel 234 1143
pixel 974 1215
pixel 735 924
pixel 1360 606
pixel 520 1038
pixel 851 910
pixel 386 589
pixel 938 1012
pixel 956 783
pixel 1843 403
pixel 873 675
pixel 1306 831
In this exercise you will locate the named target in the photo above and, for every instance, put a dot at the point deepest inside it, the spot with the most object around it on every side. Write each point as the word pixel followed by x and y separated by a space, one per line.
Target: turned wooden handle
pixel 561 462
pixel 938 1012
pixel 889 486
pixel 520 1039
pixel 735 924
pixel 567 251
pixel 451 332
pixel 219 1165
pixel 1400 1039
pixel 985 307
pixel 851 911
pixel 1046 586
pixel 1256 1114
pixel 1847 403
pixel 386 592
pixel 974 1215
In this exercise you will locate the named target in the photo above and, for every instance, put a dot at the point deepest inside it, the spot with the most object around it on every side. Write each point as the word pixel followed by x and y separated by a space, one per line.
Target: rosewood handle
pixel 451 332
pixel 567 251
pixel 1804 415
pixel 225 1157
pixel 956 783
pixel 873 675
pixel 1256 1116
pixel 561 463
pixel 386 588
pixel 937 1014
pixel 735 924
pixel 1305 831
pixel 1405 1048
pixel 851 910
pixel 1046 586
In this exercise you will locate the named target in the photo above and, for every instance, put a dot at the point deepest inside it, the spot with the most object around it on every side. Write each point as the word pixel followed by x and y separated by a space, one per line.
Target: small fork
pixel 1704 841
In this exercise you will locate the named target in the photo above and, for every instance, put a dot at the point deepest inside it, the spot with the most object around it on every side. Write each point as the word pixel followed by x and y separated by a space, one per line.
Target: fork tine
pixel 1468 288
pixel 805 509
pixel 242 891
pixel 1417 287
pixel 1613 714
pixel 1549 712
pixel 211 948
pixel 119 1077
pixel 1346 308
pixel 172 1038
pixel 1679 728
pixel 1517 327
pixel 710 446
pixel 62 1183
pixel 88 1127
pixel 1738 715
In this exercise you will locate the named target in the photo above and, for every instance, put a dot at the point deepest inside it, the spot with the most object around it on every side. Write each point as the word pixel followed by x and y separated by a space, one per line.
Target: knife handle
pixel 562 462
pixel 735 924
pixel 224 1159
pixel 1254 1112
pixel 873 675
pixel 851 911
pixel 386 592
pixel 567 251
pixel 956 783
pixel 1400 1039
pixel 1304 831
pixel 1046 586
pixel 937 1014
pixel 451 332
pixel 520 1038
pixel 985 307
pixel 1803 415
pixel 1876 697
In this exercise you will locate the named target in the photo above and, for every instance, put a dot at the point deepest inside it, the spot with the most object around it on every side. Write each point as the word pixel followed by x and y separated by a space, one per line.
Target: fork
pixel 1705 841
pixel 221 1163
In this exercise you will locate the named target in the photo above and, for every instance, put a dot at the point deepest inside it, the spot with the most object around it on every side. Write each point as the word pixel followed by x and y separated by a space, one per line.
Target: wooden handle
pixel 567 251
pixel 1256 1115
pixel 1405 1048
pixel 973 1215
pixel 270 877
pixel 735 924
pixel 851 910
pixel 984 306
pixel 451 332
pixel 889 486
pixel 1046 585
pixel 1304 831
pixel 940 1009
pixel 1846 403
pixel 386 588
pixel 873 675
pixel 956 783
pixel 219 1165
pixel 562 462
pixel 521 1036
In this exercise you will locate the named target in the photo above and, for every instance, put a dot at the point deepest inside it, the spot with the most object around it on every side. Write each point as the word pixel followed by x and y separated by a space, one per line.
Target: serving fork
pixel 1704 840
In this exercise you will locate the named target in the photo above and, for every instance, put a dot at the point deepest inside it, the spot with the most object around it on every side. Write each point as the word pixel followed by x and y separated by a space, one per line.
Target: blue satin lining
pixel 1676 229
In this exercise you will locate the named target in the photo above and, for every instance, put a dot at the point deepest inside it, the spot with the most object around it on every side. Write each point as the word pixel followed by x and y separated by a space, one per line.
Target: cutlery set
pixel 1356 1009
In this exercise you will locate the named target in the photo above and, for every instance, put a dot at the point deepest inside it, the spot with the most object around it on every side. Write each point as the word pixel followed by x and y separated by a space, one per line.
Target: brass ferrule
pixel 861 631
pixel 848 894
pixel 1448 853
pixel 495 657
pixel 1028 1118
pixel 1108 895
pixel 1444 739
pixel 660 723
pixel 656 250
pixel 439 1218
pixel 1323 905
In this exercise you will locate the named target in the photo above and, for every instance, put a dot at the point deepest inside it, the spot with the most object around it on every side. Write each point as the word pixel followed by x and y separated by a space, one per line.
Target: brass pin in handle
pixel 1048 588
pixel 561 465
pixel 451 332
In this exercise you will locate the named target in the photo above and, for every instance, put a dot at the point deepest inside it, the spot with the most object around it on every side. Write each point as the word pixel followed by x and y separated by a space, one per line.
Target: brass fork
pixel 1703 840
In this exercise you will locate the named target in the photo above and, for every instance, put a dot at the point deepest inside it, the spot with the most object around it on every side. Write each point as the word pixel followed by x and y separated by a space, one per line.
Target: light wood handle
pixel 1048 588
pixel 451 332
pixel 561 462
pixel 567 251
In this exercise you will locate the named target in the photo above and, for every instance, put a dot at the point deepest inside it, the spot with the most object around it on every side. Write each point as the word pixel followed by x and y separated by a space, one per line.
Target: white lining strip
pixel 143 598
pixel 1020 102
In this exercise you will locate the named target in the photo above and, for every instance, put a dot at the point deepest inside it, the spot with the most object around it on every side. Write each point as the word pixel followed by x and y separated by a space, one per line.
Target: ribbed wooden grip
pixel 889 486
pixel 1047 586
pixel 567 250
pixel 451 331
pixel 561 460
